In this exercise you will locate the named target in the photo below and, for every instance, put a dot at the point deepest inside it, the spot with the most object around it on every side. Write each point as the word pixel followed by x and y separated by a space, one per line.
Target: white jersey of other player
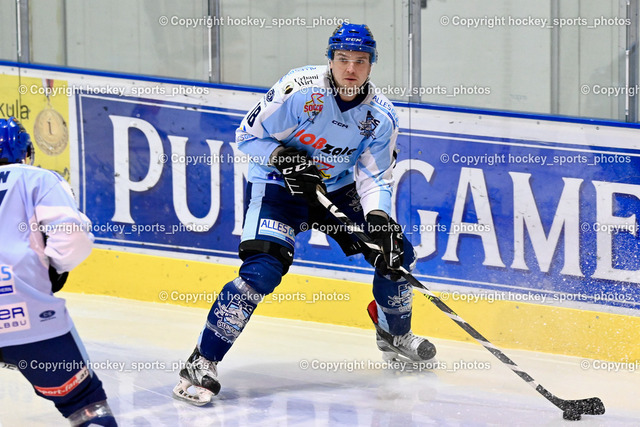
pixel 35 203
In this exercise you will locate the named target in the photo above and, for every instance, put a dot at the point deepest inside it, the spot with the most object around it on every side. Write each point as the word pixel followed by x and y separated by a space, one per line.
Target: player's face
pixel 350 71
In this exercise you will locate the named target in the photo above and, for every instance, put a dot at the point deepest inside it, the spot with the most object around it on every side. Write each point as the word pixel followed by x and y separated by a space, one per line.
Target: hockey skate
pixel 401 348
pixel 202 375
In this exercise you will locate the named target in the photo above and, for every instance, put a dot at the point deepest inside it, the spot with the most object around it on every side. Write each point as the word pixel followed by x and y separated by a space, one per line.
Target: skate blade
pixel 393 357
pixel 201 397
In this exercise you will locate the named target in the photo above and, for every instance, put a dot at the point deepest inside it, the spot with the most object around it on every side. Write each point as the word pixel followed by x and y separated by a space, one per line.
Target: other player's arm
pixel 69 239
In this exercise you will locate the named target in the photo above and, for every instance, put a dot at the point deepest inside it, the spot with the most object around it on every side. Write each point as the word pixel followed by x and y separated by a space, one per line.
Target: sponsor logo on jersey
pixel 277 229
pixel 46 315
pixel 298 70
pixel 288 88
pixel 269 96
pixel 305 80
pixel 323 167
pixel 67 387
pixel 321 144
pixel 14 317
pixel 314 106
pixel 368 126
pixel 7 285
pixel 337 151
pixel 244 137
pixel 342 125
pixel 388 107
pixel 310 139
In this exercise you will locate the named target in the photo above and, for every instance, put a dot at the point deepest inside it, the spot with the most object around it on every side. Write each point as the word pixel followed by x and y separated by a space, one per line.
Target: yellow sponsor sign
pixel 44 112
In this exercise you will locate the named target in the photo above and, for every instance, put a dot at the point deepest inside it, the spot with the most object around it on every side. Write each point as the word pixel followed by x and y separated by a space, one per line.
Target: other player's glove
pixel 57 279
pixel 300 173
pixel 387 234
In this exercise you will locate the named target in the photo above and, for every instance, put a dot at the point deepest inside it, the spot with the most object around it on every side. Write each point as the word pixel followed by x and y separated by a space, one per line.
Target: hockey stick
pixel 572 409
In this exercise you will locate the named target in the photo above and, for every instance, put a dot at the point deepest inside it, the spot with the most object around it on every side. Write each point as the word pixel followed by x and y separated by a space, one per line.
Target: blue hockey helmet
pixel 15 142
pixel 352 37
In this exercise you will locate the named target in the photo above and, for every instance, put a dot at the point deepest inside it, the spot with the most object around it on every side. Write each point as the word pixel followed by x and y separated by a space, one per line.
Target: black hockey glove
pixel 57 279
pixel 300 173
pixel 387 234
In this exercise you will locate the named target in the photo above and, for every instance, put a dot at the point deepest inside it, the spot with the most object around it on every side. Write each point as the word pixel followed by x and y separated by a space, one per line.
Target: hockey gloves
pixel 387 234
pixel 300 173
pixel 57 279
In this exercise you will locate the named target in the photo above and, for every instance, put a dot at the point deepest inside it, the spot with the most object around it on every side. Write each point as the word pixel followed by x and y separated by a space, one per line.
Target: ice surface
pixel 345 383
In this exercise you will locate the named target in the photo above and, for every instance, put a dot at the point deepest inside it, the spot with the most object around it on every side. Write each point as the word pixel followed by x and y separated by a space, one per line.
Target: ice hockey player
pixel 44 236
pixel 317 126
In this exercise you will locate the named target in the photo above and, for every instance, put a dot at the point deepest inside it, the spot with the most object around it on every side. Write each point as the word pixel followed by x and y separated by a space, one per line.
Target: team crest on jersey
pixel 368 126
pixel 314 106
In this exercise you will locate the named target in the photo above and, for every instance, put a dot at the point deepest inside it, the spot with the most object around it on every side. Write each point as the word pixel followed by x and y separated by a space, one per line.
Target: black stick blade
pixel 573 409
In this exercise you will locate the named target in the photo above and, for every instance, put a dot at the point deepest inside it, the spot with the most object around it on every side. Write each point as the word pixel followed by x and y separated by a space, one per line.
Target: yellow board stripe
pixel 506 324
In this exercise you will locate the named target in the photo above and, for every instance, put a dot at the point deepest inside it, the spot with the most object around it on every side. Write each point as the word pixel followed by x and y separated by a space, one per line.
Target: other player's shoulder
pixel 32 174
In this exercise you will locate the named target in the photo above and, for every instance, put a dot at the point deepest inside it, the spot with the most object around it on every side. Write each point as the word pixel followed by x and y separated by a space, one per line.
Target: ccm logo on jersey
pixel 14 317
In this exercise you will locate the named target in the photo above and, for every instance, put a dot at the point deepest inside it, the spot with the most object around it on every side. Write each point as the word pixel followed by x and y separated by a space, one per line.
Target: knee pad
pixel 262 272
pixel 280 252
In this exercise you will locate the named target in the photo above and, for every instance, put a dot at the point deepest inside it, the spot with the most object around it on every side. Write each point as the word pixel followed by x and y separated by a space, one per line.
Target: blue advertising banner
pixel 508 214
pixel 496 213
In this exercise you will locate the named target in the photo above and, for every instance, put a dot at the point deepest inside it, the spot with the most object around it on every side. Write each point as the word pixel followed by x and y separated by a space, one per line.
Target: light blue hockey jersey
pixel 300 111
pixel 35 202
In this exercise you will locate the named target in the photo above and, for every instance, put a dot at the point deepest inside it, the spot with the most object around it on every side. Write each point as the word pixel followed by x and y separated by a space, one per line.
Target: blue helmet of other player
pixel 352 37
pixel 15 142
